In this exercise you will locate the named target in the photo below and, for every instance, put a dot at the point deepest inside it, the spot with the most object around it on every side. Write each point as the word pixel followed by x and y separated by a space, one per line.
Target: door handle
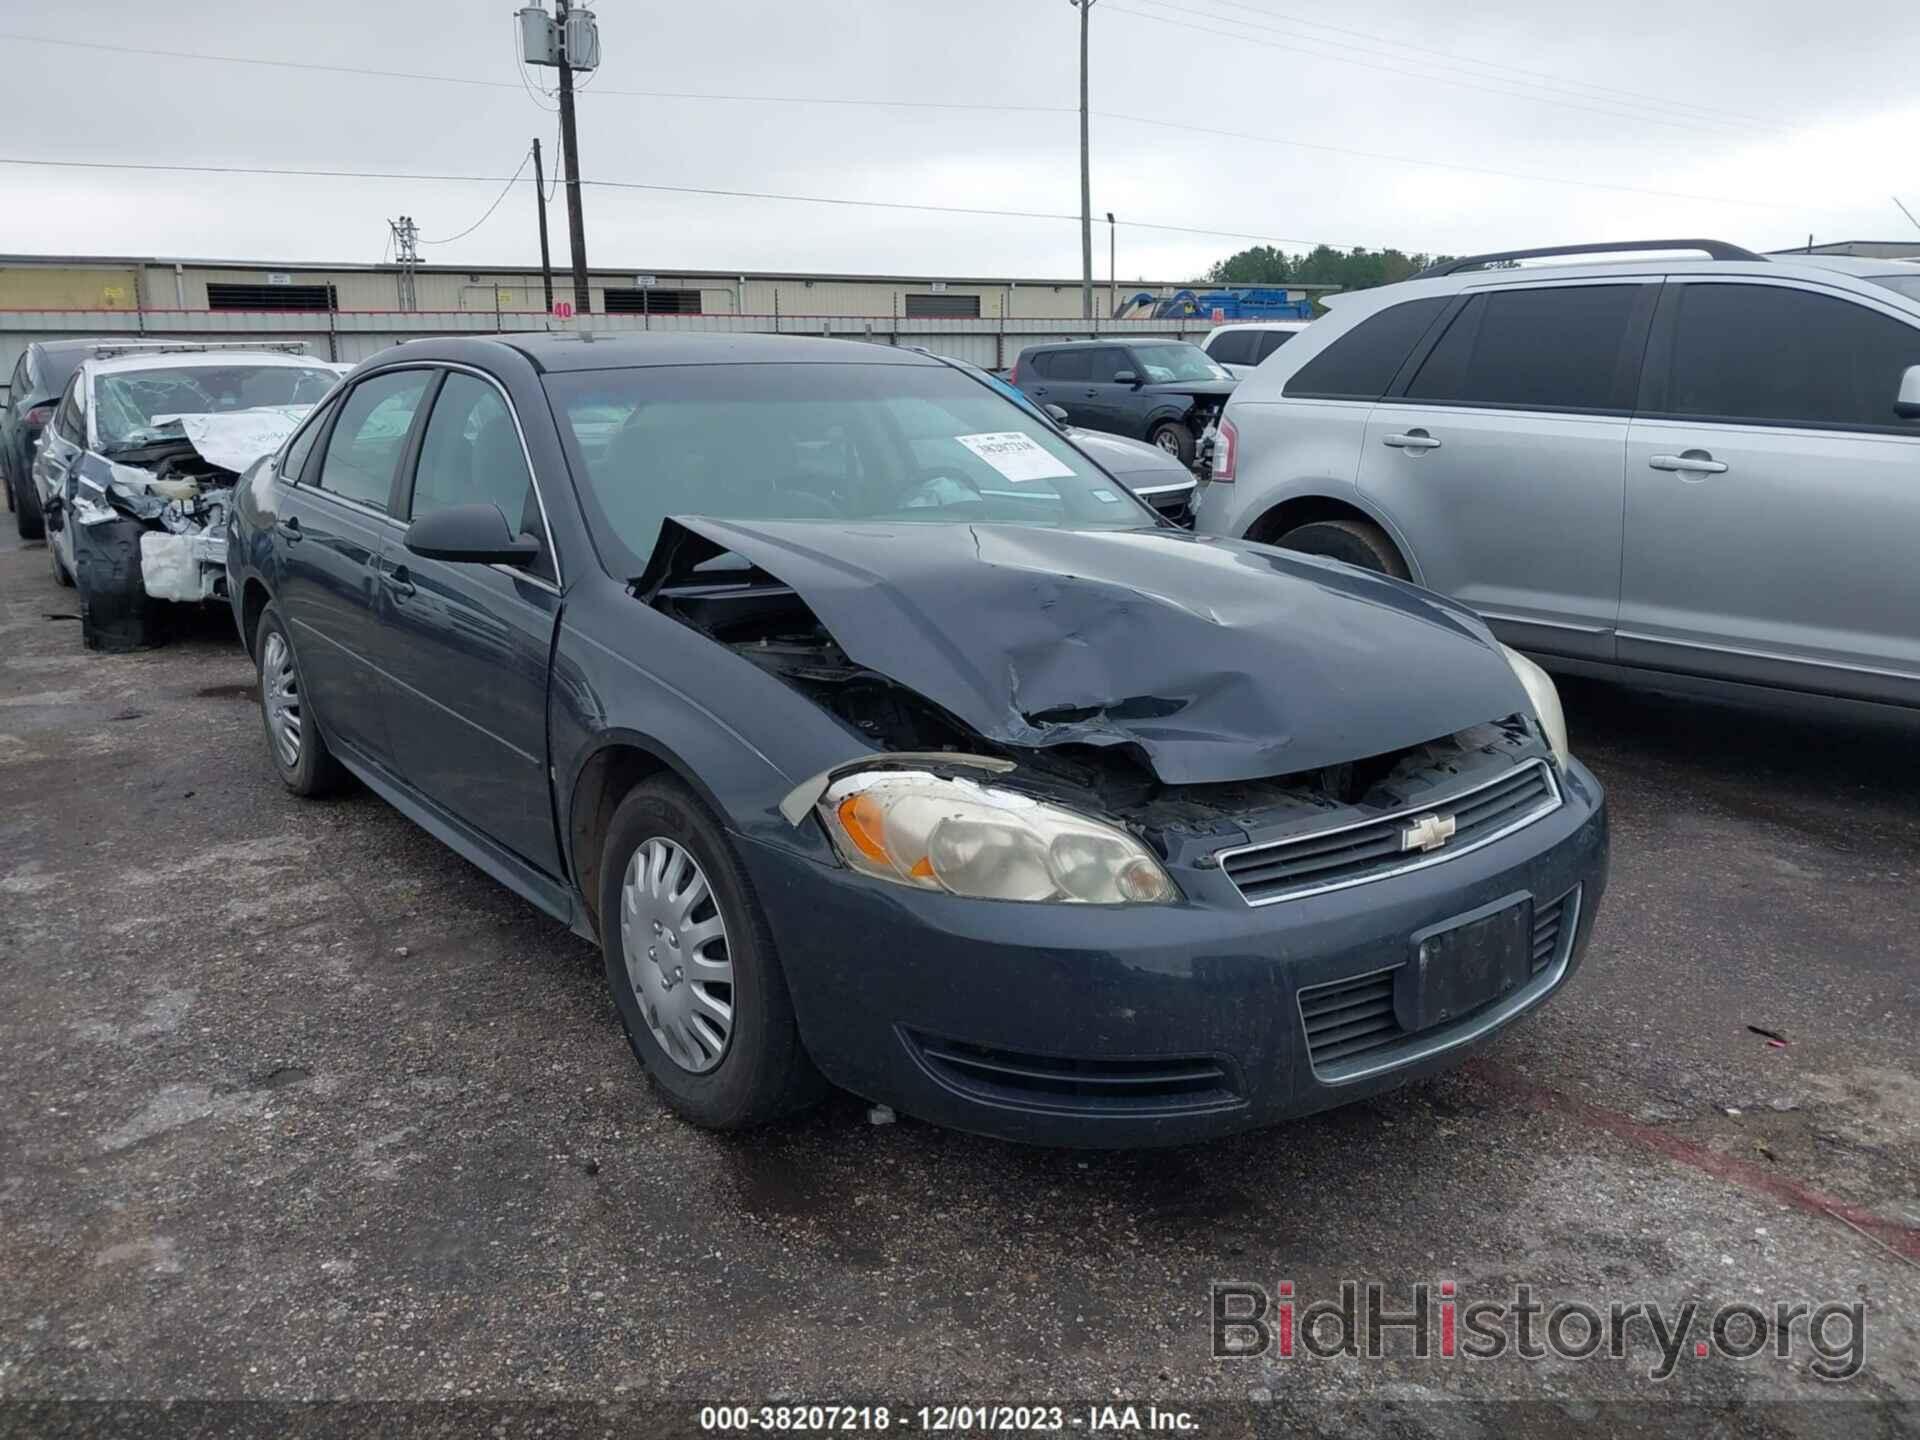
pixel 1413 440
pixel 289 530
pixel 1696 462
pixel 397 580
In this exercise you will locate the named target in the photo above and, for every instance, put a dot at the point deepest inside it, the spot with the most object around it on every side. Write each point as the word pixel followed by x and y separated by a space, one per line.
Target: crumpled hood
pixel 234 439
pixel 1220 659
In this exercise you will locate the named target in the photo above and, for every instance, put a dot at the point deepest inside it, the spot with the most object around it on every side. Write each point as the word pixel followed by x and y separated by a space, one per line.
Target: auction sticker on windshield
pixel 1016 456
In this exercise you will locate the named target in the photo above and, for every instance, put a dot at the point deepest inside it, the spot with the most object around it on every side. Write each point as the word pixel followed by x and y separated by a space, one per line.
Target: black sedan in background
pixel 879 736
pixel 1165 392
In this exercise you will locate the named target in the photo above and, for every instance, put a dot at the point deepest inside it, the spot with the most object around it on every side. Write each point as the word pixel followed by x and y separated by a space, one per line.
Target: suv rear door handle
pixel 289 530
pixel 1412 440
pixel 1695 462
pixel 396 579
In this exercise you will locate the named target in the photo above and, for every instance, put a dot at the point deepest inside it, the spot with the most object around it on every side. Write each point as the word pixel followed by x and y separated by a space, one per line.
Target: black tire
pixel 1175 438
pixel 115 613
pixel 25 501
pixel 1357 542
pixel 762 1071
pixel 313 770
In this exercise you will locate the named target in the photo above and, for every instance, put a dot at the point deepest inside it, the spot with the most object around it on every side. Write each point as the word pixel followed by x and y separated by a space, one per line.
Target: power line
pixel 147 53
pixel 285 171
pixel 1595 109
pixel 1540 77
pixel 944 105
pixel 524 159
pixel 1441 164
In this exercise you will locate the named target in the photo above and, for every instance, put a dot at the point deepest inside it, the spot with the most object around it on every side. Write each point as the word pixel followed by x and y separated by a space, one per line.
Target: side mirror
pixel 470 534
pixel 1907 407
pixel 1125 377
pixel 1059 414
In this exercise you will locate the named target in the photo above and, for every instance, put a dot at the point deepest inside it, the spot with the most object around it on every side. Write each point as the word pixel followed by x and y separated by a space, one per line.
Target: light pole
pixel 1086 182
pixel 1113 270
pixel 570 153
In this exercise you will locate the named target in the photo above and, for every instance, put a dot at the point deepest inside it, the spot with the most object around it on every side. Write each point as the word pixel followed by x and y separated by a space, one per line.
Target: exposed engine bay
pixel 180 488
pixel 767 622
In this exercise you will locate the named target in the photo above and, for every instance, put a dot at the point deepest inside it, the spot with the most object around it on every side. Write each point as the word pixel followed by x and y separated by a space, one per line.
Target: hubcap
pixel 280 694
pixel 1168 442
pixel 674 942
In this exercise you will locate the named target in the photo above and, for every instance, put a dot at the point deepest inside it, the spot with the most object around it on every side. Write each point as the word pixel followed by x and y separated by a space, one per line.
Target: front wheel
pixel 692 966
pixel 116 613
pixel 1357 542
pixel 25 503
pixel 1175 438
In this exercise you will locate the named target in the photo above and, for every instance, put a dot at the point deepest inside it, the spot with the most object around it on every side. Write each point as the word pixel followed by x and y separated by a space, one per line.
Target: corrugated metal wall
pixel 992 343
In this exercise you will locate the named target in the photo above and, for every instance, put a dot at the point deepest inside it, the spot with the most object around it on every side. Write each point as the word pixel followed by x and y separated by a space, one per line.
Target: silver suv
pixel 1703 467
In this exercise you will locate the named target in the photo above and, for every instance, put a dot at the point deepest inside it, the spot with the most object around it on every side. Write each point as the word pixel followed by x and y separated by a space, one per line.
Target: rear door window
pixel 1361 364
pixel 1556 348
pixel 1069 365
pixel 1233 347
pixel 1271 341
pixel 1772 355
pixel 364 450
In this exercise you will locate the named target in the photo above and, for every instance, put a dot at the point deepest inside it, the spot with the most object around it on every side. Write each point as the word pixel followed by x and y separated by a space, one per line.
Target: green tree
pixel 1356 269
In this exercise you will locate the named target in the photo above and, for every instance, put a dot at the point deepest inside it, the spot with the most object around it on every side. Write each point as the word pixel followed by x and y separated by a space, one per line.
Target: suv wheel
pixel 691 963
pixel 1175 438
pixel 1357 542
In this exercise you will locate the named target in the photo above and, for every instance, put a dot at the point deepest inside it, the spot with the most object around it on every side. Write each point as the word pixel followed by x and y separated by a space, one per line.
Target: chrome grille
pixel 1367 850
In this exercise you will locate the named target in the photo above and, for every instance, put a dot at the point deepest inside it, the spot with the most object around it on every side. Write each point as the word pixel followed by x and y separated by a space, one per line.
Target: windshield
pixel 915 443
pixel 129 405
pixel 1181 361
pixel 1907 285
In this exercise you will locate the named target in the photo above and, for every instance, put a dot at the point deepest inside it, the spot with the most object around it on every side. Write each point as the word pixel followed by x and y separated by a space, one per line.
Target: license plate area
pixel 1466 963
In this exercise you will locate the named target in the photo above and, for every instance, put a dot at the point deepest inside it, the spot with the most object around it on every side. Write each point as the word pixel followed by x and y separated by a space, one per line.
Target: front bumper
pixel 1149 1025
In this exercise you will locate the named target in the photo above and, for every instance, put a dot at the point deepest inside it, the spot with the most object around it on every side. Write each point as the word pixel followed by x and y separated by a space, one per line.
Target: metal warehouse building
pixel 348 312
pixel 29 282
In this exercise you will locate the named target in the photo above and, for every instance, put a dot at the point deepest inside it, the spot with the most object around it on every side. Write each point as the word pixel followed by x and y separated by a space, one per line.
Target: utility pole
pixel 406 249
pixel 570 148
pixel 1086 179
pixel 540 208
pixel 1113 270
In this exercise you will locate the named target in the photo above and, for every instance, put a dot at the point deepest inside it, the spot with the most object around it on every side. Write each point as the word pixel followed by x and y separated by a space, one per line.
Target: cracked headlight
pixel 966 839
pixel 1546 702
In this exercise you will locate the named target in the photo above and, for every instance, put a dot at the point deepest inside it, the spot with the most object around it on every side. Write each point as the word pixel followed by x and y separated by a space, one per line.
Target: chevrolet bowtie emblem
pixel 1429 832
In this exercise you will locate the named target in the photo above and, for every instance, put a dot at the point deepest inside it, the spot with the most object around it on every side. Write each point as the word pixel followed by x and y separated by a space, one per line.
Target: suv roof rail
pixel 192 347
pixel 1713 249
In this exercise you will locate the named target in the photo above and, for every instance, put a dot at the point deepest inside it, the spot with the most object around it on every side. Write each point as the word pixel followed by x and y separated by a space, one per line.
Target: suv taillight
pixel 1226 452
pixel 1013 375
pixel 38 416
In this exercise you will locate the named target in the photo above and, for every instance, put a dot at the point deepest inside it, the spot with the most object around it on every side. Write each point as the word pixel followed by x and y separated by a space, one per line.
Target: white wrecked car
pixel 135 472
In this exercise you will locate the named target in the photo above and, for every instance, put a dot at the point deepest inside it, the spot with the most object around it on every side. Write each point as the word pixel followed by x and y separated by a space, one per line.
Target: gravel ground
pixel 301 1106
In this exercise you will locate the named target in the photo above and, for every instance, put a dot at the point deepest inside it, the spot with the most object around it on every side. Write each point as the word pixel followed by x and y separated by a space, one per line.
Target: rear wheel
pixel 294 743
pixel 1175 438
pixel 1357 542
pixel 692 966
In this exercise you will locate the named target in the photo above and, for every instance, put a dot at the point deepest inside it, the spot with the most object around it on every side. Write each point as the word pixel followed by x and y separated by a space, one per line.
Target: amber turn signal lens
pixel 864 822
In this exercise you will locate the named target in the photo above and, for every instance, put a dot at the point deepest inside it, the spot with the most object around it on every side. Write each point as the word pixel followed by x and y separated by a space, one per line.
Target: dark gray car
pixel 879 734
pixel 39 375
pixel 1162 391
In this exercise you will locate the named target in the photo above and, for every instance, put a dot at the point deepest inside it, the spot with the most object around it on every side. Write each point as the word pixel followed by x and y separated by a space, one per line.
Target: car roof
pixel 1108 340
pixel 199 359
pixel 565 350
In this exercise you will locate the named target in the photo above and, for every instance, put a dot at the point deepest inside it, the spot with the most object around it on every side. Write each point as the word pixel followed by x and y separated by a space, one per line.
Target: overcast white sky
pixel 1782 127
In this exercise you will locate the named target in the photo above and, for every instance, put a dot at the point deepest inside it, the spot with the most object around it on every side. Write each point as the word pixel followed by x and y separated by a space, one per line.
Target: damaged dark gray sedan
pixel 879 736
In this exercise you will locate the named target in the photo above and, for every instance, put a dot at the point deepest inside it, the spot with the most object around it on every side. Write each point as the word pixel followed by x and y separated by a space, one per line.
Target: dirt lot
pixel 298 1105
